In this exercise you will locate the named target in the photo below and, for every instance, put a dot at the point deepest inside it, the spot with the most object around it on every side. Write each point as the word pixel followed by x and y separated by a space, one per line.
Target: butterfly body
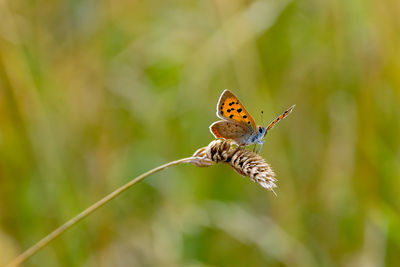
pixel 237 124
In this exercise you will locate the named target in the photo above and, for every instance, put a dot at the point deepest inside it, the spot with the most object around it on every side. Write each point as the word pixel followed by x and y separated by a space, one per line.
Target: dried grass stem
pixel 244 162
pixel 57 232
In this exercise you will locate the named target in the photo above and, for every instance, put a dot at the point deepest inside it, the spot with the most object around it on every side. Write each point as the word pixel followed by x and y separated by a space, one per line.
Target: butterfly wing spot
pixel 222 112
pixel 244 117
pixel 230 105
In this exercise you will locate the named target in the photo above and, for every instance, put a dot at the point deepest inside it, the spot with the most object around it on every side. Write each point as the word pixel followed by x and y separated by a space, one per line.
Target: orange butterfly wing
pixel 230 108
pixel 215 131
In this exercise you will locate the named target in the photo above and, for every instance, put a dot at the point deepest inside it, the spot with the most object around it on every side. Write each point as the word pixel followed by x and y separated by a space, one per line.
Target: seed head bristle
pixel 244 162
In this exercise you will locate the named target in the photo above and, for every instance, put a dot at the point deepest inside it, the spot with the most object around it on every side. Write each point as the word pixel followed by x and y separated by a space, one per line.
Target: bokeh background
pixel 94 93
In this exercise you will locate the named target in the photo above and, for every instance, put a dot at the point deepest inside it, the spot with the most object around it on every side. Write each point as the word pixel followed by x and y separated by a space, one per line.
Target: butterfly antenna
pixel 262 115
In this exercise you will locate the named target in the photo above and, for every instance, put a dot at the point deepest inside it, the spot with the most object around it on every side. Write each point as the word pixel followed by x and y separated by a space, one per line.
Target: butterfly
pixel 238 125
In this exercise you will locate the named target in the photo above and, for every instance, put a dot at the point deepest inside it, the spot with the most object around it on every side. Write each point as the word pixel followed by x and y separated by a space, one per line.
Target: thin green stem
pixel 57 232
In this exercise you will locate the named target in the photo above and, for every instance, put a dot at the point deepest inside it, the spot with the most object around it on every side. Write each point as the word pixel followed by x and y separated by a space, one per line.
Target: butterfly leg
pixel 254 148
pixel 259 148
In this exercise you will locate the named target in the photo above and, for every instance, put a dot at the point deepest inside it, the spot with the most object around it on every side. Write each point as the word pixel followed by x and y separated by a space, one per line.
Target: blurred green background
pixel 94 93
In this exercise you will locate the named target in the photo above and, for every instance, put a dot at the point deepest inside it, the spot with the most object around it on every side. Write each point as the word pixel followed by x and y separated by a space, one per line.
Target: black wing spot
pixel 222 104
pixel 237 102
pixel 231 116
pixel 222 112
pixel 245 116
pixel 277 119
pixel 239 110
pixel 248 122
pixel 229 110
pixel 230 104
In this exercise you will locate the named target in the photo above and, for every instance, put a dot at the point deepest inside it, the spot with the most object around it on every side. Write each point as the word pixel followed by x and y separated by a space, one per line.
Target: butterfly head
pixel 261 132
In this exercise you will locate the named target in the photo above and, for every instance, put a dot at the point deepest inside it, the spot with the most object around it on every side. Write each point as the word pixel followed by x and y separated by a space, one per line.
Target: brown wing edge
pixel 214 130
